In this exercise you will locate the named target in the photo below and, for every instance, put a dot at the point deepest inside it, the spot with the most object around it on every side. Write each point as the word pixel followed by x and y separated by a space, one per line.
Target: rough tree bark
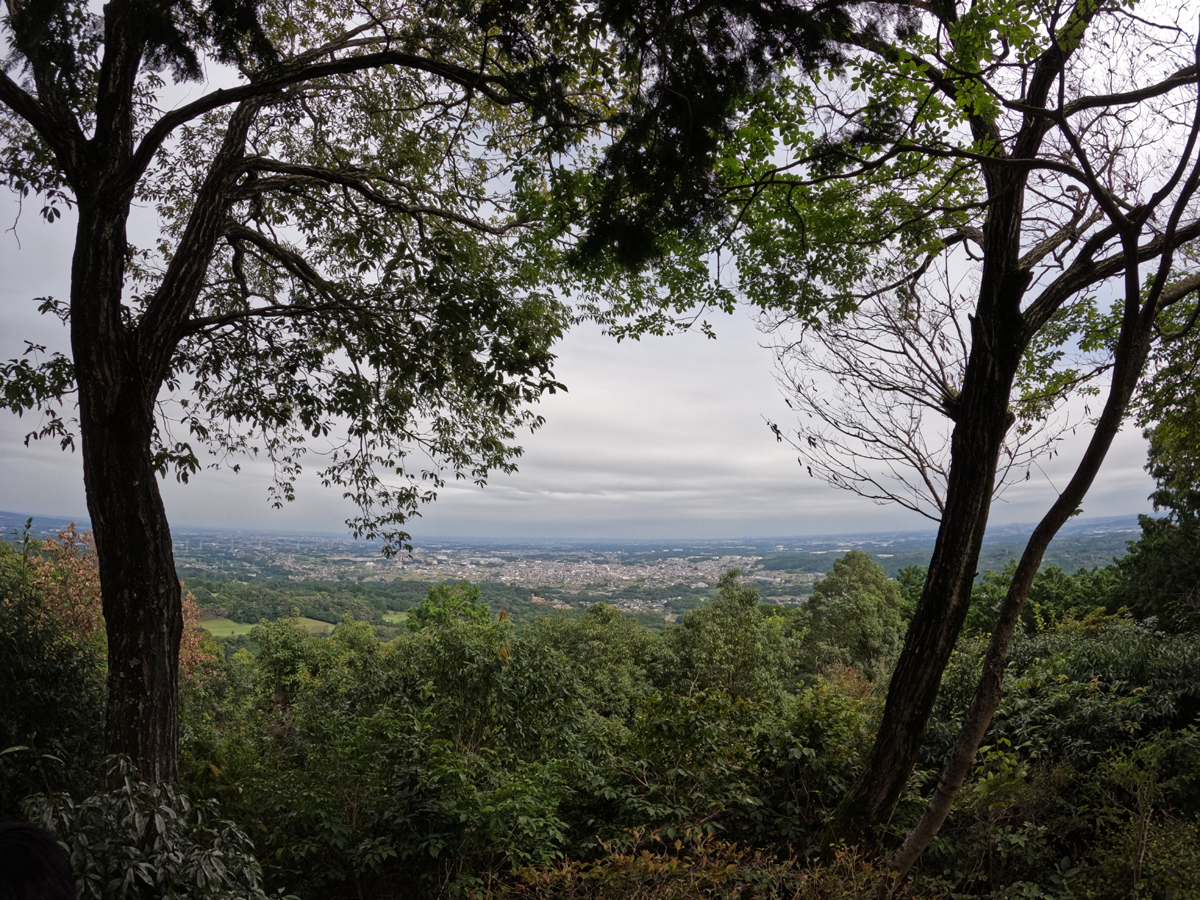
pixel 142 604
pixel 981 418
pixel 1130 355
pixel 120 371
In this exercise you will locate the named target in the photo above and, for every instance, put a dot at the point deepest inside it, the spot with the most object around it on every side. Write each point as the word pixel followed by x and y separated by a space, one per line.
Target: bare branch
pixel 358 180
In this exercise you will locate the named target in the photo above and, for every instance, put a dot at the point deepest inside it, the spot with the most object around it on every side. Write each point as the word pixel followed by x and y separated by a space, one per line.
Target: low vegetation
pixel 588 757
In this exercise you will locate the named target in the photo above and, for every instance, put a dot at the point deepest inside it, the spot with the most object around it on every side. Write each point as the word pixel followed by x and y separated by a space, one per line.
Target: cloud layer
pixel 660 438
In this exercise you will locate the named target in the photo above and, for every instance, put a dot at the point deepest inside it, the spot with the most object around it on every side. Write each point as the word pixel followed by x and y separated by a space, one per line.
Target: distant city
pixel 640 576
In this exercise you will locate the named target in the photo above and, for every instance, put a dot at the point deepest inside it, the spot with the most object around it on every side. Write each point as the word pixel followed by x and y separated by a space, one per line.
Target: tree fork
pixel 142 606
pixel 1131 353
pixel 990 689
pixel 981 421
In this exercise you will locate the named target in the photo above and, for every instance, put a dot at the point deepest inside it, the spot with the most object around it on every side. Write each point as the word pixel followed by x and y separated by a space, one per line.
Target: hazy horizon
pixel 655 439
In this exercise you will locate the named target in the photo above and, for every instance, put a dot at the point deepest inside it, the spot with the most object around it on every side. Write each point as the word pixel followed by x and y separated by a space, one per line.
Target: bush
pixel 1144 859
pixel 402 769
pixel 148 841
pixel 52 690
pixel 653 869
pixel 1074 691
pixel 1142 851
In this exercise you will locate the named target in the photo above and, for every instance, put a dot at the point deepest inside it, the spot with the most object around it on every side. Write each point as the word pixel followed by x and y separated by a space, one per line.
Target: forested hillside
pixel 348 239
pixel 583 755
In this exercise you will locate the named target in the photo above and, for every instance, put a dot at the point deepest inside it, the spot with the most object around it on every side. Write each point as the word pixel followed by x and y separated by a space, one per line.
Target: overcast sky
pixel 662 438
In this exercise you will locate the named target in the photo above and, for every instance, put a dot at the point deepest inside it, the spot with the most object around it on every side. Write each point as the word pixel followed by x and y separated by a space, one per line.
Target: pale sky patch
pixel 665 437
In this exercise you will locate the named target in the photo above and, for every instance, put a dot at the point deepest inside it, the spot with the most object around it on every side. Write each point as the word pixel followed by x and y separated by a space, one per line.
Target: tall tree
pixel 955 201
pixel 1019 140
pixel 358 243
pixel 343 256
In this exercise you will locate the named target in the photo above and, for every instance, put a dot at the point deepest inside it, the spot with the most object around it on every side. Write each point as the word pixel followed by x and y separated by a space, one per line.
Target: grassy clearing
pixel 394 618
pixel 314 626
pixel 223 628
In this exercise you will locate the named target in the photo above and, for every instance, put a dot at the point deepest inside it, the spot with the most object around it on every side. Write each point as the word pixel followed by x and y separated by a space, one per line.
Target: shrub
pixel 52 690
pixel 1078 689
pixel 148 841
pixel 1144 859
pixel 1142 851
pixel 653 869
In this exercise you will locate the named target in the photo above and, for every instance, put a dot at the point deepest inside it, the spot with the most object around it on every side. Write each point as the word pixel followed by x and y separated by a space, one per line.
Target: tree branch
pixel 358 181
pixel 1070 232
pixel 159 330
pixel 1084 273
pixel 486 85
pixel 296 264
pixel 64 137
pixel 1185 76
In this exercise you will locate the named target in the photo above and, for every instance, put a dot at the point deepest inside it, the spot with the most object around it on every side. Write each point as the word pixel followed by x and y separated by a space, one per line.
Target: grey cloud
pixel 658 438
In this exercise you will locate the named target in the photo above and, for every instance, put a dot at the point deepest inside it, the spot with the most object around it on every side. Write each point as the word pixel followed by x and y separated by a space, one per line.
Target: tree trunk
pixel 119 368
pixel 1132 351
pixel 938 618
pixel 142 606
pixel 982 417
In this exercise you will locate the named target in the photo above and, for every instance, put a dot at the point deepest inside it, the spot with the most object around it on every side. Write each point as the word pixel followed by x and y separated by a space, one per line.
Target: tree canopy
pixel 854 616
pixel 363 219
pixel 960 224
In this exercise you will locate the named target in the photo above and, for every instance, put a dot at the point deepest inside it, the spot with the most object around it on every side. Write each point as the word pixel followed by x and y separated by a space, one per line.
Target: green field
pixel 314 626
pixel 222 628
pixel 394 618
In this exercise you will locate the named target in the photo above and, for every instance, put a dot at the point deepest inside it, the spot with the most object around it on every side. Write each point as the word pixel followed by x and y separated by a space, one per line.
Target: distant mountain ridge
pixel 12 524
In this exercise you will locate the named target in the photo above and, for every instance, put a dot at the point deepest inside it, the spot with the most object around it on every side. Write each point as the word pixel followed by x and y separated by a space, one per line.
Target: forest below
pixel 468 751
pixel 347 241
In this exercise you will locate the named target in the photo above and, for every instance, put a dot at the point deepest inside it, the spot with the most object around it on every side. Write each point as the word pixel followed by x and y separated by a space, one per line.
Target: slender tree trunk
pixel 1132 351
pixel 142 609
pixel 939 615
pixel 982 417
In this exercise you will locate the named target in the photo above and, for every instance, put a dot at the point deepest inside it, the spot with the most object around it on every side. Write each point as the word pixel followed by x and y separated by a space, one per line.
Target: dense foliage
pixel 145 842
pixel 586 756
pixel 52 712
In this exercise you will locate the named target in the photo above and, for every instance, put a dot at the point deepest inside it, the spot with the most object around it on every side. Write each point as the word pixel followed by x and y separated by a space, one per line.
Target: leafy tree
pixel 1055 595
pixel 1168 408
pixel 729 645
pixel 963 138
pixel 854 616
pixel 364 766
pixel 446 605
pixel 987 596
pixel 67 575
pixel 1160 575
pixel 616 661
pixel 357 243
pixel 912 581
pixel 338 256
